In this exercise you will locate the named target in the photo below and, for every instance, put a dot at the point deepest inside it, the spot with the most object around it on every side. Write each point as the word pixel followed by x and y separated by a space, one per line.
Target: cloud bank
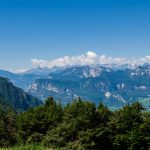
pixel 90 58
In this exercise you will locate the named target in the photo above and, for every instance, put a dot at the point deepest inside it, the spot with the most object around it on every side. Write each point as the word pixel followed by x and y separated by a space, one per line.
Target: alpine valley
pixel 115 86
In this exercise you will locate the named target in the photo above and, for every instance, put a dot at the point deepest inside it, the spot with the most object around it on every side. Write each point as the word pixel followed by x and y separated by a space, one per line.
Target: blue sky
pixel 48 29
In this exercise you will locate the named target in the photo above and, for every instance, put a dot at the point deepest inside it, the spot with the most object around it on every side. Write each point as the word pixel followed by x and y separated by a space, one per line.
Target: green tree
pixel 125 126
pixel 78 116
pixel 37 121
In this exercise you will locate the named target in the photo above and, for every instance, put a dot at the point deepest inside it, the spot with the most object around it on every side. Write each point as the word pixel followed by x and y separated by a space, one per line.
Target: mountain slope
pixel 113 87
pixel 16 97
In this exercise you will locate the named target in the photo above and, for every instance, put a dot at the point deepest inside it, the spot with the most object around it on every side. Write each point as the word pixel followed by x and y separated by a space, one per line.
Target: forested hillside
pixel 80 125
pixel 15 97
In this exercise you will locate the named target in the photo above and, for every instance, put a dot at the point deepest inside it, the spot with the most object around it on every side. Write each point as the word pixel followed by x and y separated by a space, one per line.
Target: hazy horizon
pixel 89 58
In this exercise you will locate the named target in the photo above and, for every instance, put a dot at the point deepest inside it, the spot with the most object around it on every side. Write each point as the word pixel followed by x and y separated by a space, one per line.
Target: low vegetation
pixel 25 147
pixel 79 125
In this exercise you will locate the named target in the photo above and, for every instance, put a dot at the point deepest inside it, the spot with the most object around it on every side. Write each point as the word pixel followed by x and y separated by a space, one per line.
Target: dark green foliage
pixel 79 125
pixel 34 124
pixel 126 126
pixel 7 128
pixel 78 116
pixel 98 136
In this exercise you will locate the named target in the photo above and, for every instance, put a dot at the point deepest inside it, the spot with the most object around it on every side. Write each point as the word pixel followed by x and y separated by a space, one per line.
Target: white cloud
pixel 91 54
pixel 90 58
pixel 39 63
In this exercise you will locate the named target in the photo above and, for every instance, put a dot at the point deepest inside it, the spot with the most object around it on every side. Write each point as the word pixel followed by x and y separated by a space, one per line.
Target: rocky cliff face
pixel 114 87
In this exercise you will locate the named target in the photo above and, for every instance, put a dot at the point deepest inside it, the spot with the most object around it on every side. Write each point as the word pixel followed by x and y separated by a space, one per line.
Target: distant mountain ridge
pixel 113 85
pixel 20 80
pixel 79 72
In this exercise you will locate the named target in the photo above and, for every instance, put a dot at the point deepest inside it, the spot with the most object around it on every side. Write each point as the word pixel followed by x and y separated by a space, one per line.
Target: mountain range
pixel 114 86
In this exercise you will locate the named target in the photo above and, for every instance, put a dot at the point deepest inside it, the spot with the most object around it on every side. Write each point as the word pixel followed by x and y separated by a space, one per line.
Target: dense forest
pixel 80 125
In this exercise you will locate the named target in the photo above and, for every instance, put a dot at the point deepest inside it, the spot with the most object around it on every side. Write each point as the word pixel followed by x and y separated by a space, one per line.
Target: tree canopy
pixel 78 125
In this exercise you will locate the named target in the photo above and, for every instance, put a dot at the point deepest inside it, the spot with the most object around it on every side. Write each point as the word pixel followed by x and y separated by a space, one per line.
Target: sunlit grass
pixel 27 147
